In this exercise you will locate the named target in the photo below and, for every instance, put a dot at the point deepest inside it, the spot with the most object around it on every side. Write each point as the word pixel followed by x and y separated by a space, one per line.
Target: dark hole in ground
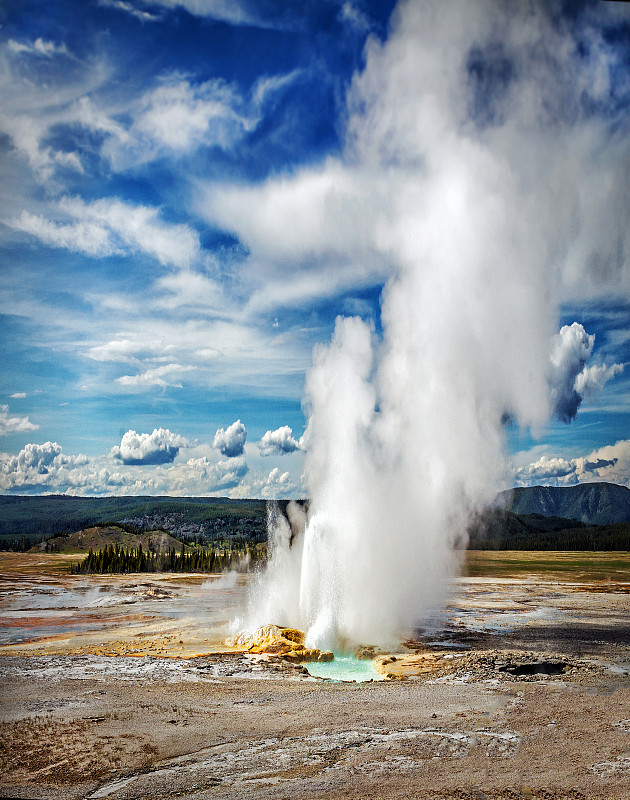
pixel 535 668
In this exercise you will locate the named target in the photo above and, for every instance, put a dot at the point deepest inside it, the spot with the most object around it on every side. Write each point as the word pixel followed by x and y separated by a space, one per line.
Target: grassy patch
pixel 560 565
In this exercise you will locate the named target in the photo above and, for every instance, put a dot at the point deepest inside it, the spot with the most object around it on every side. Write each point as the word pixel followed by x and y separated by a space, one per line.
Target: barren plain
pixel 121 687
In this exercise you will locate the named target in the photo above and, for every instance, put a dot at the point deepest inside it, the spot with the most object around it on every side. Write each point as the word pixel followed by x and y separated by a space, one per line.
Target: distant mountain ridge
pixel 589 516
pixel 589 503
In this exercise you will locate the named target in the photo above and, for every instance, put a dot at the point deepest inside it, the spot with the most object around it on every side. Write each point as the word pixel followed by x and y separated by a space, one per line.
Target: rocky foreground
pixel 116 689
pixel 485 725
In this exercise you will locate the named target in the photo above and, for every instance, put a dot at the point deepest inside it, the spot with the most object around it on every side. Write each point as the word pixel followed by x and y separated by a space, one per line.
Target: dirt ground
pixel 521 691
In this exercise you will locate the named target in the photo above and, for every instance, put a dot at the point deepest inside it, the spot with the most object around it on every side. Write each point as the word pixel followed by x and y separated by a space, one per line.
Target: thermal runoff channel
pixel 486 165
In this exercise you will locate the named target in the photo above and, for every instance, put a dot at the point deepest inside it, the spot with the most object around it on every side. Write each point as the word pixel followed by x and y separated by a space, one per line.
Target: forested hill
pixel 588 516
pixel 210 518
pixel 590 503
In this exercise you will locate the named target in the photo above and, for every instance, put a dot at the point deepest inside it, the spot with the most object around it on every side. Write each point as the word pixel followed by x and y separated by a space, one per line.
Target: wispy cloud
pixel 353 16
pixel 179 115
pixel 109 227
pixel 155 376
pixel 40 95
pixel 234 12
pixel 40 47
pixel 172 116
pixel 130 8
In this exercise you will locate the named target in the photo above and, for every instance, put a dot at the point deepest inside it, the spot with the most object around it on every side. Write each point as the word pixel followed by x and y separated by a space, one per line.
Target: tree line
pixel 116 559
pixel 504 536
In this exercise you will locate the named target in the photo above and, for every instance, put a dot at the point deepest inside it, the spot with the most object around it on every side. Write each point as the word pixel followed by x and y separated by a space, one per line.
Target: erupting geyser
pixel 473 179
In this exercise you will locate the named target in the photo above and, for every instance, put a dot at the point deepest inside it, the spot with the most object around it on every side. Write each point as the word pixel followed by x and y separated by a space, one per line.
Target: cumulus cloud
pixel 279 442
pixel 159 447
pixel 231 441
pixel 109 227
pixel 200 475
pixel 46 468
pixel 12 424
pixel 38 465
pixel 18 395
pixel 571 378
pixel 548 469
pixel 274 486
pixel 610 463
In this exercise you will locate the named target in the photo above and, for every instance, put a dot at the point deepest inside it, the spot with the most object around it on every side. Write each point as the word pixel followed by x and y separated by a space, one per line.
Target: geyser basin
pixel 345 668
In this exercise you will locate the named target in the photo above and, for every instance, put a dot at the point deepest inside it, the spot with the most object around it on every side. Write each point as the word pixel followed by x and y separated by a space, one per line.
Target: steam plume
pixel 479 139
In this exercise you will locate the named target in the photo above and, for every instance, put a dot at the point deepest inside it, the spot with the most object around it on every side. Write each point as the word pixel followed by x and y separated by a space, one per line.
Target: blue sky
pixel 192 194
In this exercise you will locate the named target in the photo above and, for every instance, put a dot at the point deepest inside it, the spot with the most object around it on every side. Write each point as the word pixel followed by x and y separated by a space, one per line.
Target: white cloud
pixel 111 227
pixel 179 115
pixel 234 12
pixel 592 379
pixel 82 237
pixel 174 116
pixel 279 442
pixel 114 350
pixel 610 463
pixel 231 441
pixel 40 95
pixel 323 221
pixel 38 465
pixel 276 485
pixel 155 376
pixel 354 17
pixel 45 468
pixel 9 424
pixel 546 469
pixel 212 352
pixel 419 150
pixel 187 289
pixel 40 47
pixel 571 377
pixel 129 8
pixel 202 476
pixel 18 395
pixel 146 464
pixel 159 447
